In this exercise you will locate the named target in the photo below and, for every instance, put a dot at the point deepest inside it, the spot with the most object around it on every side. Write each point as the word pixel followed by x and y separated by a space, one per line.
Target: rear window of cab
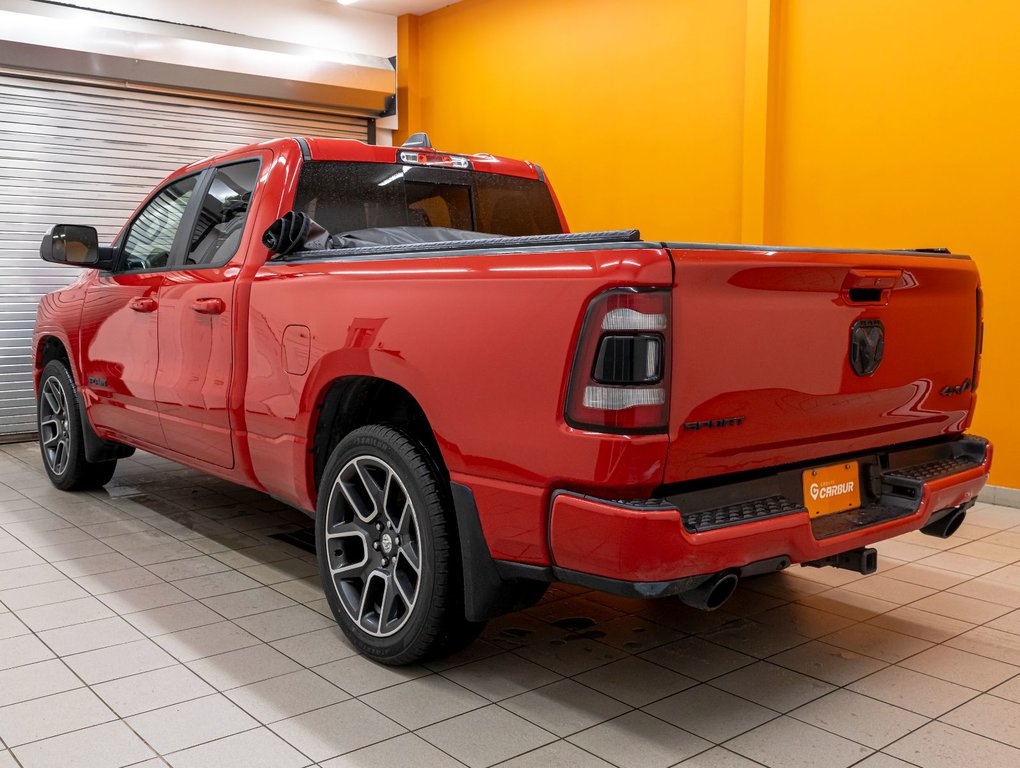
pixel 346 196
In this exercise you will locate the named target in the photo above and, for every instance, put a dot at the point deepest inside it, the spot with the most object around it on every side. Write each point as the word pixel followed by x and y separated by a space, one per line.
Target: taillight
pixel 620 378
pixel 980 341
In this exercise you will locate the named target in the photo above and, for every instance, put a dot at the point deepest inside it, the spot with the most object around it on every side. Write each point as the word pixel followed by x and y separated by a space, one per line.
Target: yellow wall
pixel 885 123
pixel 592 91
pixel 900 127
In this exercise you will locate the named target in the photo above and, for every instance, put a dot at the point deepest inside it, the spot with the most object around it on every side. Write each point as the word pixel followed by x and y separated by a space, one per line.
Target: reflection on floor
pixel 158 622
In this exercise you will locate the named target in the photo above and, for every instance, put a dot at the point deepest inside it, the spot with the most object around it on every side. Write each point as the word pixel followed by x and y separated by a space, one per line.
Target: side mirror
pixel 76 246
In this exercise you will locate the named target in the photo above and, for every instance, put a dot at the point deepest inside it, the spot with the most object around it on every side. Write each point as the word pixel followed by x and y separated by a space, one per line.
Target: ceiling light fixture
pixel 347 2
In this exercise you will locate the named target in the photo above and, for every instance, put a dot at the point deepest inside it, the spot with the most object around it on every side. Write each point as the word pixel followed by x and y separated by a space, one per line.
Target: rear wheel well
pixel 358 401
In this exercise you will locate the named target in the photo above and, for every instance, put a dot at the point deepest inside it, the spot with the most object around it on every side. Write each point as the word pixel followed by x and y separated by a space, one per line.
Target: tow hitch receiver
pixel 863 560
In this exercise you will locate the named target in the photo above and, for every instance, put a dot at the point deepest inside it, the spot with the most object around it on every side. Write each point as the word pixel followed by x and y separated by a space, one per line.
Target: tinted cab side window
pixel 150 240
pixel 224 211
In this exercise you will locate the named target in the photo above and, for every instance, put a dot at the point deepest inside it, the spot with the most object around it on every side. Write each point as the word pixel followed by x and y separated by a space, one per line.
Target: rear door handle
pixel 209 306
pixel 143 304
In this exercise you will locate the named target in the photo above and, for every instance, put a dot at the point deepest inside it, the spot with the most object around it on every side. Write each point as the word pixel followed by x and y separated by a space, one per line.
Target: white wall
pixel 312 52
pixel 305 22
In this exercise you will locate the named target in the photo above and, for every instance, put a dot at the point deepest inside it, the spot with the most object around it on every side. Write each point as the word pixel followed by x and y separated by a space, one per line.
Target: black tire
pixel 60 434
pixel 387 550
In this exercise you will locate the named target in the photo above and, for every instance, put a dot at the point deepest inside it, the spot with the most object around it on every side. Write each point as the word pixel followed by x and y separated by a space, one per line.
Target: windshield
pixel 346 196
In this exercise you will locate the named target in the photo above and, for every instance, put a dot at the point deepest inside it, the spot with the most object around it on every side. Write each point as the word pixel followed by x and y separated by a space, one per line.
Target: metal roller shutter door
pixel 76 153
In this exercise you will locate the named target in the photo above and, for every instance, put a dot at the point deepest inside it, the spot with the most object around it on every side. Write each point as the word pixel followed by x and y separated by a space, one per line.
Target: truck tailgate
pixel 774 354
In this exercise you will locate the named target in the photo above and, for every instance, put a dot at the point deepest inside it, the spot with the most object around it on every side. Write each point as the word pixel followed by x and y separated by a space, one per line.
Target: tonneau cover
pixel 412 249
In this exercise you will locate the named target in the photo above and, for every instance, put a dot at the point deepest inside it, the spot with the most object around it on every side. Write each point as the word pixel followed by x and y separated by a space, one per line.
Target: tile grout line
pixel 753 660
pixel 977 694
pixel 117 717
pixel 840 687
pixel 262 642
pixel 88 687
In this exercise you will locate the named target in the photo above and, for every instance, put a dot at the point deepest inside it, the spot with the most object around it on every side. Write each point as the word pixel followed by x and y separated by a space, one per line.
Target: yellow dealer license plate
pixel 836 488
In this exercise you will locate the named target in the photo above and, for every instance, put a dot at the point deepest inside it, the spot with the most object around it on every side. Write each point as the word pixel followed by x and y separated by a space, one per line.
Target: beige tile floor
pixel 155 623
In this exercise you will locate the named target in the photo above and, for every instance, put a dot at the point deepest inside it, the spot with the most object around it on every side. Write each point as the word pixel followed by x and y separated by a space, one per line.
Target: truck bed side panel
pixel 483 344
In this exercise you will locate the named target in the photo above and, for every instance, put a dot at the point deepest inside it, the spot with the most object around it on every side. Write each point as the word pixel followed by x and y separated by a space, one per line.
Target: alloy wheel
pixel 373 546
pixel 54 425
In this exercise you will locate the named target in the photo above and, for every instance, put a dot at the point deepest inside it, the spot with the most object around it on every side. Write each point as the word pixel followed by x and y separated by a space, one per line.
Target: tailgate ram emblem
pixel 867 345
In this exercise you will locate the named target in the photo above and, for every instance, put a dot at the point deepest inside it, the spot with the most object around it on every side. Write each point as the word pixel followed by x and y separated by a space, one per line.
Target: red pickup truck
pixel 472 402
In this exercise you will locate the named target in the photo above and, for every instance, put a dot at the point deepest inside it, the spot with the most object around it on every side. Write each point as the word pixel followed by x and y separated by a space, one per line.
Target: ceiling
pixel 399 7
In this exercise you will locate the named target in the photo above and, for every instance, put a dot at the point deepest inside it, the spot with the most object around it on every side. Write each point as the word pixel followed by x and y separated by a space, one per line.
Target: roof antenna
pixel 418 141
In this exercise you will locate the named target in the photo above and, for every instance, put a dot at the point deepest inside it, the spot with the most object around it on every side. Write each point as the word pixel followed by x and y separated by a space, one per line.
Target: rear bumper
pixel 648 548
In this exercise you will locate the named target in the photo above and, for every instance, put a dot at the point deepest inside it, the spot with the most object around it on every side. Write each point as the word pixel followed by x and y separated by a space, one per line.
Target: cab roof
pixel 351 150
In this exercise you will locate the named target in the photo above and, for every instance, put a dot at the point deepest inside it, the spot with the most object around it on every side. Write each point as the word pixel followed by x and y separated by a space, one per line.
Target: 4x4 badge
pixel 867 345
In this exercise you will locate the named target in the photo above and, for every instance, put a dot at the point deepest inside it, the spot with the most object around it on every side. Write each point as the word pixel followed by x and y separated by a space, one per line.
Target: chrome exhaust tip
pixel 712 593
pixel 946 525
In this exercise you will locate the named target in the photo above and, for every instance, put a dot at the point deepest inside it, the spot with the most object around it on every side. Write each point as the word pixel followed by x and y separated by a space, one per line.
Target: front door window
pixel 151 237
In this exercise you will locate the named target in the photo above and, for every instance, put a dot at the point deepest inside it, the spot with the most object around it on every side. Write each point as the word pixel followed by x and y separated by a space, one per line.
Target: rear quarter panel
pixel 484 342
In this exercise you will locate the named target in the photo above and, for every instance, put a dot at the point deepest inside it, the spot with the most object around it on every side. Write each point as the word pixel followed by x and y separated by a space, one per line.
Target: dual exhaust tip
pixel 719 587
pixel 712 592
pixel 947 524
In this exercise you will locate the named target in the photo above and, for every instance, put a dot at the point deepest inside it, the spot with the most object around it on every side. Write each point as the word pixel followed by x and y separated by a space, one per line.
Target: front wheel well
pixel 358 401
pixel 51 348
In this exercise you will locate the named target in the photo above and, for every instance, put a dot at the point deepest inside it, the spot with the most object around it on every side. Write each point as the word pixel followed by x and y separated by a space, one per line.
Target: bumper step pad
pixel 736 514
pixel 892 491
pixel 854 519
pixel 922 473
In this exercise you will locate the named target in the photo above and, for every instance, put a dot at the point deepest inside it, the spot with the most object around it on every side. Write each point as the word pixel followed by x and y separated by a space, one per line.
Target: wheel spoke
pixel 343 529
pixel 355 503
pixel 409 556
pixel 367 603
pixel 364 599
pixel 406 516
pixel 51 428
pixel 372 488
pixel 406 595
pixel 386 607
pixel 59 456
pixel 386 490
pixel 345 570
pixel 395 501
pixel 347 550
pixel 51 399
pixel 391 486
